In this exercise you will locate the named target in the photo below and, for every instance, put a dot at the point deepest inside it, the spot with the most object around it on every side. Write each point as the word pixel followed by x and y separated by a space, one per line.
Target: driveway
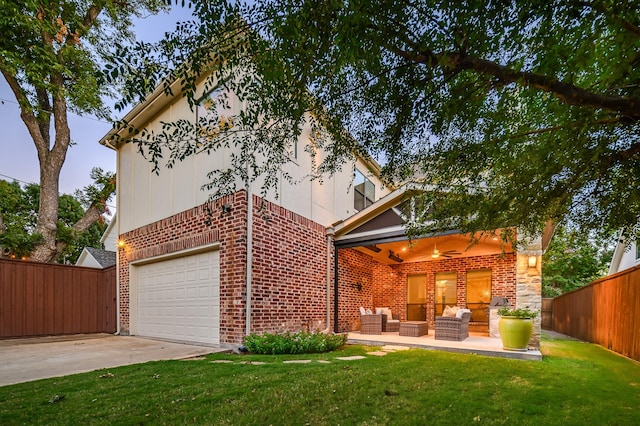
pixel 24 360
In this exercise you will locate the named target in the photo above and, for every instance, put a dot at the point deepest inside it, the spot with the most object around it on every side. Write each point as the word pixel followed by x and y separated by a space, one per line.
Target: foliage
pixel 398 388
pixel 294 343
pixel 506 311
pixel 49 55
pixel 511 114
pixel 573 259
pixel 18 214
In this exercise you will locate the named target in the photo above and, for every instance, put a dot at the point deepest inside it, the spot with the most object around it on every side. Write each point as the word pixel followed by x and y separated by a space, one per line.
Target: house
pixel 101 258
pixel 96 258
pixel 191 269
pixel 626 255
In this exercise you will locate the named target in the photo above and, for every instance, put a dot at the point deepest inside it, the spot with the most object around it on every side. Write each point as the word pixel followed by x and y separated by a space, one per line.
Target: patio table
pixel 414 328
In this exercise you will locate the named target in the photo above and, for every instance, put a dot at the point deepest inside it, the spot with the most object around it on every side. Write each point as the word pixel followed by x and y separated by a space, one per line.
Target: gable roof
pixel 105 258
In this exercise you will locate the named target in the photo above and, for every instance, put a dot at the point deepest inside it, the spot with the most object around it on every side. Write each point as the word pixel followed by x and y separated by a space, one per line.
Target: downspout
pixel 249 268
pixel 335 290
pixel 328 304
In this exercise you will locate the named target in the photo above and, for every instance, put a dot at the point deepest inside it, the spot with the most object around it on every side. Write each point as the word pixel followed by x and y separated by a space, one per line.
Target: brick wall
pixel 388 283
pixel 355 287
pixel 289 263
pixel 289 271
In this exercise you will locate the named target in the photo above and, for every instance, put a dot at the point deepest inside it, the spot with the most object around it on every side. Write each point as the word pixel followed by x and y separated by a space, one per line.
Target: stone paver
pixel 351 358
pixel 377 353
pixel 298 361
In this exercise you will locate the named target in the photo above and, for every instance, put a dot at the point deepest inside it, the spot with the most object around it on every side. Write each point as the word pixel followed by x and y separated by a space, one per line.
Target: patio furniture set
pixel 452 325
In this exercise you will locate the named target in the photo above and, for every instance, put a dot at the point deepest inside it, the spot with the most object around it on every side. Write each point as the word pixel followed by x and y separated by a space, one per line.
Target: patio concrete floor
pixel 476 343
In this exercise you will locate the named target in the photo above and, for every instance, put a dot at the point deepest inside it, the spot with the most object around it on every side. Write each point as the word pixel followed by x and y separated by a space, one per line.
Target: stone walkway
pixel 382 352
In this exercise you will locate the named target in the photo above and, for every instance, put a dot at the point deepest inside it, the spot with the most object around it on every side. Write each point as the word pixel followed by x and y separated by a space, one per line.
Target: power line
pixel 33 183
pixel 3 100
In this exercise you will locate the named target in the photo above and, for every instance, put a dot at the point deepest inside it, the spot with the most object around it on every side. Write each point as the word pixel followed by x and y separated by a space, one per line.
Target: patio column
pixel 529 285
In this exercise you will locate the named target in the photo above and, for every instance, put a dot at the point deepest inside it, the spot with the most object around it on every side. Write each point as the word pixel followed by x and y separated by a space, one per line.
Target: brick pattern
pixel 289 271
pixel 355 287
pixel 386 285
pixel 289 263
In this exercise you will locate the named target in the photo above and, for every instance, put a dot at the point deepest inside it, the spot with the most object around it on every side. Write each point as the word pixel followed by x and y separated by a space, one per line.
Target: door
pixel 417 297
pixel 479 294
pixel 179 298
pixel 445 291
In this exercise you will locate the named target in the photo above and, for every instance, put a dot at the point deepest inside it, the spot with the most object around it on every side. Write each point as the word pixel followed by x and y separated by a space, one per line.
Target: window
pixel 214 111
pixel 364 191
pixel 445 291
pixel 479 294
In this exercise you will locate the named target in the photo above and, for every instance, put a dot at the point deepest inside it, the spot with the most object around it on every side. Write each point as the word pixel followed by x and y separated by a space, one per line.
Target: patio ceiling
pixel 421 250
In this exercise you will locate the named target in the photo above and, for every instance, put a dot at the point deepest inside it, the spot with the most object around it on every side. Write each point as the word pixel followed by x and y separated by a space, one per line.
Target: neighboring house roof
pixel 96 258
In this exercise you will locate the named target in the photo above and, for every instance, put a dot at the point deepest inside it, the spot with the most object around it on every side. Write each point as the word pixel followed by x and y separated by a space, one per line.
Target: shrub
pixel 518 313
pixel 293 343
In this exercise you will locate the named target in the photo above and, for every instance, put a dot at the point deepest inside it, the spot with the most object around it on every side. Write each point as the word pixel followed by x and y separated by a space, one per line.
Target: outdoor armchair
pixel 453 328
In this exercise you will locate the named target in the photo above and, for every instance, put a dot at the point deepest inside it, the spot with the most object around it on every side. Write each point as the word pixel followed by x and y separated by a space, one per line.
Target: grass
pixel 576 383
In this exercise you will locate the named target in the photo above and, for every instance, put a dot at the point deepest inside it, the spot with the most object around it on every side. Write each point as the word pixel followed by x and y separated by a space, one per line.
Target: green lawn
pixel 576 383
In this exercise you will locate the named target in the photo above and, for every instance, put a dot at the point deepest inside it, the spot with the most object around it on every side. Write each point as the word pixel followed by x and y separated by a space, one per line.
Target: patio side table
pixel 414 328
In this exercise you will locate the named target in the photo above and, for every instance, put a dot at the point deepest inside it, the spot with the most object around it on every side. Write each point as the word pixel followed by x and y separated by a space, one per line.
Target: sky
pixel 18 157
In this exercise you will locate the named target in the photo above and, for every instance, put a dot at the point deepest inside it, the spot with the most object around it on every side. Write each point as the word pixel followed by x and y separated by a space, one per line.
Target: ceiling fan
pixel 447 253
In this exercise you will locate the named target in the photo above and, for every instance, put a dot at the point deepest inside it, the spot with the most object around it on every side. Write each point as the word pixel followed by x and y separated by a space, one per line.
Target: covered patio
pixel 379 267
pixel 476 343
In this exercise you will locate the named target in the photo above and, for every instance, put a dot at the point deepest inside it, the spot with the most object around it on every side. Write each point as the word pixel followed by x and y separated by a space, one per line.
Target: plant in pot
pixel 516 326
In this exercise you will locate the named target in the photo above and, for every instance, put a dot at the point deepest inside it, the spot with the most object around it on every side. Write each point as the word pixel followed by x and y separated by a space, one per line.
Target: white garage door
pixel 179 298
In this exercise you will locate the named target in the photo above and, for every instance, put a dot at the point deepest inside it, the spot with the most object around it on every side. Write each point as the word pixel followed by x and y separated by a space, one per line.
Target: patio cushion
pixel 450 311
pixel 462 312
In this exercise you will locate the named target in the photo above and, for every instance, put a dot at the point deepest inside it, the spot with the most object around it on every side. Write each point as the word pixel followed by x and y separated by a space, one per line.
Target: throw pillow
pixel 450 311
pixel 379 311
pixel 368 312
pixel 362 311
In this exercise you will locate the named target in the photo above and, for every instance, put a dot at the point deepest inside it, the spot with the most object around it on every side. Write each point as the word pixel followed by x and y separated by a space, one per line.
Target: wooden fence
pixel 547 313
pixel 606 312
pixel 39 299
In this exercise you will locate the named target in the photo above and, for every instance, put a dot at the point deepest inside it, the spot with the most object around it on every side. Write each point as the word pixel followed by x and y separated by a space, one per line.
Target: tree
pixel 572 260
pixel 18 220
pixel 513 113
pixel 49 55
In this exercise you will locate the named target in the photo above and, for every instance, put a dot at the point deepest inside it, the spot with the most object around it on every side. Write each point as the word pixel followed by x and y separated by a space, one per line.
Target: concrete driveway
pixel 24 360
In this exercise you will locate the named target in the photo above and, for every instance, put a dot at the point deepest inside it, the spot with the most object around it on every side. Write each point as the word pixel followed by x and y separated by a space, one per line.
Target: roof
pixel 105 258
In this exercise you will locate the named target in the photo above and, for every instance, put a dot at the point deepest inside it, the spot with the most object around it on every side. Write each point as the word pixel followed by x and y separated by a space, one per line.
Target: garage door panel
pixel 179 298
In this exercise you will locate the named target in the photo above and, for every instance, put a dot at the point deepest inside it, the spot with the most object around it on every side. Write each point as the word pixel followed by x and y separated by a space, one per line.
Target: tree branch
pixel 26 112
pixel 568 93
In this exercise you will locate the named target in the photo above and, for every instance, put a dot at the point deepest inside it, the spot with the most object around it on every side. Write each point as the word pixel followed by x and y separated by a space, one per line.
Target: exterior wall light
pixel 533 261
pixel 121 243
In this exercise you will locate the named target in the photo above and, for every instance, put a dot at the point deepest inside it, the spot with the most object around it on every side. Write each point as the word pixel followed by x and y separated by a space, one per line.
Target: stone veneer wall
pixel 289 263
pixel 529 289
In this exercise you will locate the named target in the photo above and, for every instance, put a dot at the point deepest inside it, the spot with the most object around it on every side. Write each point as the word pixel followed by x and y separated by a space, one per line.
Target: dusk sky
pixel 18 157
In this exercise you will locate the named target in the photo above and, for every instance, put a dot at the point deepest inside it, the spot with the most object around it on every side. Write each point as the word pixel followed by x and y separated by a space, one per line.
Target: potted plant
pixel 516 326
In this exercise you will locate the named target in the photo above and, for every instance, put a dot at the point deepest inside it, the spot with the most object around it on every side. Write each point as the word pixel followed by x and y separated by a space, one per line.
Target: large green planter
pixel 515 332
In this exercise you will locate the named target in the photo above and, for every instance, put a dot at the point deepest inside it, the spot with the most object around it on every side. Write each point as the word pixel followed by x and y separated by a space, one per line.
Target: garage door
pixel 179 298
